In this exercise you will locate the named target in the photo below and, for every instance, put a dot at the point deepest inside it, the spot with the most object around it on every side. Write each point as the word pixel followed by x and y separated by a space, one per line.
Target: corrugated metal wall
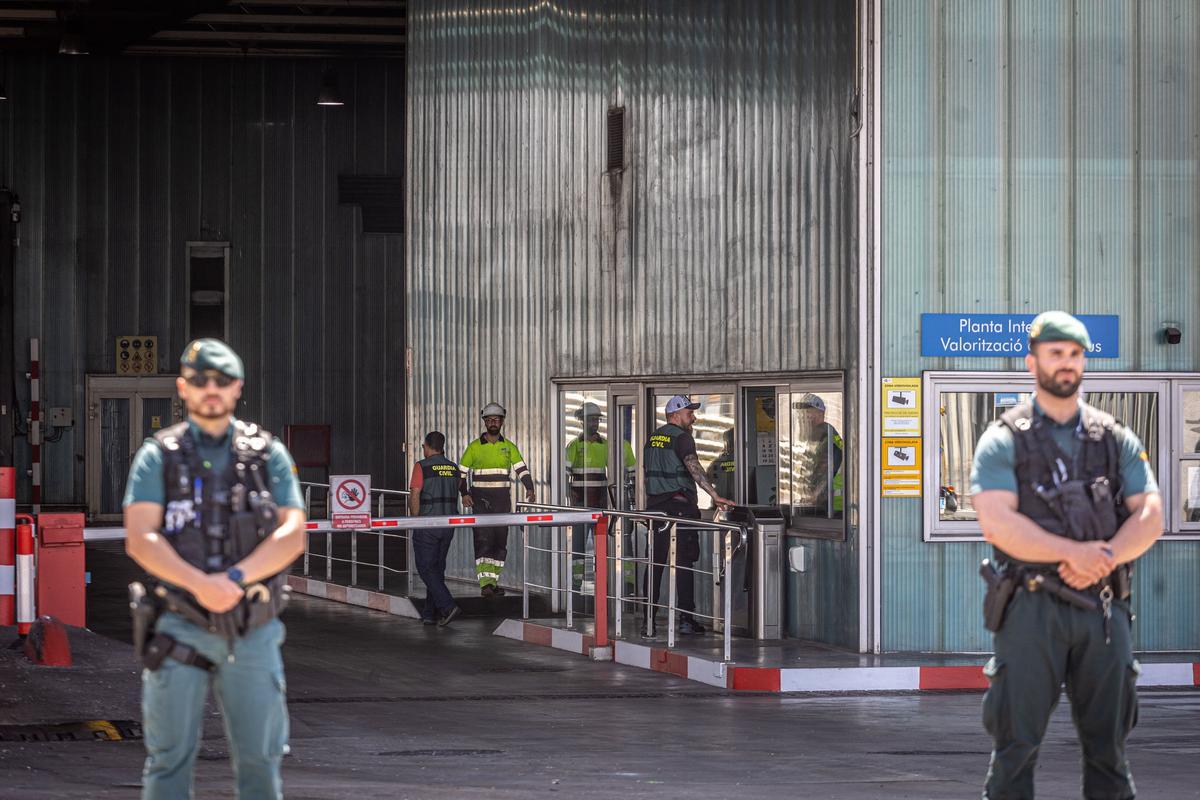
pixel 1036 155
pixel 727 245
pixel 120 162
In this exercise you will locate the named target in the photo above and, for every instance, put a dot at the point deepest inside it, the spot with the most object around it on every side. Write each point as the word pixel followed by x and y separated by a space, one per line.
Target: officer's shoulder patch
pixel 1144 456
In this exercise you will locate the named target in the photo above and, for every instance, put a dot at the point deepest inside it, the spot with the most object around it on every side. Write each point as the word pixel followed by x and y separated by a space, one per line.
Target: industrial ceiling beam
pixel 297 20
pixel 29 15
pixel 285 51
pixel 375 4
pixel 277 36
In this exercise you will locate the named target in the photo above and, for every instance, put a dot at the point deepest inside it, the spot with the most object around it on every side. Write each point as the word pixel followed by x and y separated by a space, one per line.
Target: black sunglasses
pixel 201 379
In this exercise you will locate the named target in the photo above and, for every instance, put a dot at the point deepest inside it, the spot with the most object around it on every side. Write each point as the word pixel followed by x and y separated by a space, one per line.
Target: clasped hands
pixel 1087 563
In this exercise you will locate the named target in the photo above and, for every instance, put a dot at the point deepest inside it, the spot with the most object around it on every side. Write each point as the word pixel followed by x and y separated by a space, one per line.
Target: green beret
pixel 1059 326
pixel 205 354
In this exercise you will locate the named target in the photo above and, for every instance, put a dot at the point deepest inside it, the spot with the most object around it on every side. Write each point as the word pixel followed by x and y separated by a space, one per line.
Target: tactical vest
pixel 1042 467
pixel 665 472
pixel 439 486
pixel 215 519
pixel 723 474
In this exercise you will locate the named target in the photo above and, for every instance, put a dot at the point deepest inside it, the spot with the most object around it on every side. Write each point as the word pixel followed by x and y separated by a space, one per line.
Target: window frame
pixel 934 383
pixel 645 388
pixel 1178 527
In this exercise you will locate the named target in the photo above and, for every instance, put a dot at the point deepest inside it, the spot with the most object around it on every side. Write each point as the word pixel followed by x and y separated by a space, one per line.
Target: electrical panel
pixel 137 355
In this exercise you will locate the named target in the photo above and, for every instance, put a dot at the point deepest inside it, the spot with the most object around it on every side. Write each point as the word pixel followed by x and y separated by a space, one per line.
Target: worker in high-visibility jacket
pixel 491 461
pixel 818 453
pixel 588 478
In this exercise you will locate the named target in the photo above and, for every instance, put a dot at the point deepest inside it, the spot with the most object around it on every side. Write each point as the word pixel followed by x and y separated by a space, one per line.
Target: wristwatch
pixel 236 575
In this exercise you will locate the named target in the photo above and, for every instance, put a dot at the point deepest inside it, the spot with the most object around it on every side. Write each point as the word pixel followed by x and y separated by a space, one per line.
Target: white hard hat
pixel 810 400
pixel 588 410
pixel 493 410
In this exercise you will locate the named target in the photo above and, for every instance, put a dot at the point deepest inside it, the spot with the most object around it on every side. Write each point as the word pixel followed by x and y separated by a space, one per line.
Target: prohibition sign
pixel 351 494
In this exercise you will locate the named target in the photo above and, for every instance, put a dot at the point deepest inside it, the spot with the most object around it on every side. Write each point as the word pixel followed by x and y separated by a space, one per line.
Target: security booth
pixel 773 445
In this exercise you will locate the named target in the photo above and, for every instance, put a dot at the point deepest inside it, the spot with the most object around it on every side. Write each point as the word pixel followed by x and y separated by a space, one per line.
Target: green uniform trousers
pixel 1044 643
pixel 251 693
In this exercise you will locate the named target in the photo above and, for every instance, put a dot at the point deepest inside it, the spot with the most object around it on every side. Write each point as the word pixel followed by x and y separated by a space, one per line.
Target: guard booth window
pixel 1188 487
pixel 810 424
pixel 966 404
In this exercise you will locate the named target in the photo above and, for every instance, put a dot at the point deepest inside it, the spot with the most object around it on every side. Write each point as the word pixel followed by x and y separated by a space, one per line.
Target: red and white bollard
pixel 8 570
pixel 25 573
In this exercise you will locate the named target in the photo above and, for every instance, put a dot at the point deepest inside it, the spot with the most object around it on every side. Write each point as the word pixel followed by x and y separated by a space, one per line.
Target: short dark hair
pixel 436 440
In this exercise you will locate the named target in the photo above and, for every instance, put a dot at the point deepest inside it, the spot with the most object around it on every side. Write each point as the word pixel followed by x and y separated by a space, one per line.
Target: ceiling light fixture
pixel 329 94
pixel 72 44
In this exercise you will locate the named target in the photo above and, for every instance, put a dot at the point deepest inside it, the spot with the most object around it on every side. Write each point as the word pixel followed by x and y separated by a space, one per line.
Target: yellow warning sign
pixel 901 467
pixel 901 407
pixel 155 423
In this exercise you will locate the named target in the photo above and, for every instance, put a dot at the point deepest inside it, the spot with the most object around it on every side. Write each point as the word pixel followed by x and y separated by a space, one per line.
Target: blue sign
pixel 1007 399
pixel 1005 335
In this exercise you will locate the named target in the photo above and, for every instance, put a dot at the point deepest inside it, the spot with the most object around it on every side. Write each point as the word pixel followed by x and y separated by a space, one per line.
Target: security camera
pixel 1172 334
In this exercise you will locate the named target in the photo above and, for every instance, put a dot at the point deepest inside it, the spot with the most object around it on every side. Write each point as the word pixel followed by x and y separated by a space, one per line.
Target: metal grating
pixel 615 137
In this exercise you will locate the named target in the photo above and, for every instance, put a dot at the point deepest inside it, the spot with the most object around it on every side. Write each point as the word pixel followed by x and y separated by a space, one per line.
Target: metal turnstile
pixel 758 574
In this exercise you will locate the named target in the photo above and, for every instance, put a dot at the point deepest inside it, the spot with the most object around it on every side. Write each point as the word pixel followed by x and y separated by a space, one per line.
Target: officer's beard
pixel 211 408
pixel 493 430
pixel 1060 387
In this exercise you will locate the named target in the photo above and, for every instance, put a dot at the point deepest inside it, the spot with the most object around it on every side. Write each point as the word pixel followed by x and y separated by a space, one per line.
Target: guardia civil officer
pixel 433 492
pixel 672 473
pixel 1066 495
pixel 489 461
pixel 213 512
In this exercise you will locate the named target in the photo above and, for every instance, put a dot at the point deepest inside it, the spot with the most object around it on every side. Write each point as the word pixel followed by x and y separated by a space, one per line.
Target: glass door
pixel 122 413
pixel 115 453
pixel 624 450
pixel 811 472
pixel 713 432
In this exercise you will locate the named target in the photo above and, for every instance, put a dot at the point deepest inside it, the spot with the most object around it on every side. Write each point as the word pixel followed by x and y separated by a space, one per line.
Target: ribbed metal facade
pixel 726 245
pixel 120 162
pixel 1036 155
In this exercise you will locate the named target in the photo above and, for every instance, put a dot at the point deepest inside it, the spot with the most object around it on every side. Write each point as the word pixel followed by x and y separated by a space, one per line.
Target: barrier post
pixel 307 516
pixel 524 572
pixel 651 610
pixel 8 545
pixel 671 555
pixel 25 572
pixel 600 537
pixel 619 570
pixel 568 577
pixel 726 585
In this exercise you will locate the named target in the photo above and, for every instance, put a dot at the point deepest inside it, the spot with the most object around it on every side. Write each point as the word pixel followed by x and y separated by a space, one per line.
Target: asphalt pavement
pixel 382 706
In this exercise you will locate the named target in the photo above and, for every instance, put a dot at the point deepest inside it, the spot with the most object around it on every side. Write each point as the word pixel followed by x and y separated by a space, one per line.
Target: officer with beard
pixel 213 512
pixel 1066 496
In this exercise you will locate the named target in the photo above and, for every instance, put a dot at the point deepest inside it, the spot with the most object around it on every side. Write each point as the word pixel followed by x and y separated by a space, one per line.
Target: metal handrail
pixel 728 549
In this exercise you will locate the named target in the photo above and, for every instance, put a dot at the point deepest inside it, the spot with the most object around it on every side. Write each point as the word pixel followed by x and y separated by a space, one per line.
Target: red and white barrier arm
pixel 416 523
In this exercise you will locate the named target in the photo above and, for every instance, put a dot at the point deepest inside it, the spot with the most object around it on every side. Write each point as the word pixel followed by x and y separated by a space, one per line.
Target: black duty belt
pixel 161 647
